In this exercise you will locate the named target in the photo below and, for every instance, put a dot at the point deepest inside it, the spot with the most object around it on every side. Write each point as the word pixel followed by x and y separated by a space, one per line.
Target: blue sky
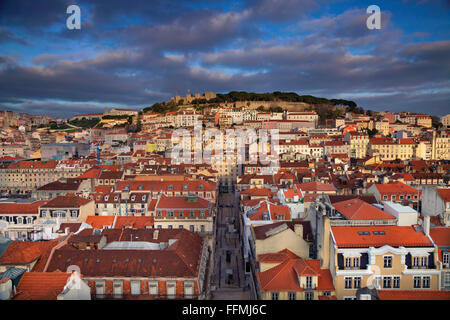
pixel 132 53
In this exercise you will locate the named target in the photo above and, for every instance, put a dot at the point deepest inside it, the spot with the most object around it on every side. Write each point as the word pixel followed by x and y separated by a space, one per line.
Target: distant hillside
pixel 321 105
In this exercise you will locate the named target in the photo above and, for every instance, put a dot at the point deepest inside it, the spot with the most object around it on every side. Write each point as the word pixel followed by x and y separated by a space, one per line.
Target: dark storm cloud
pixel 200 30
pixel 281 11
pixel 140 52
pixel 8 37
pixel 33 14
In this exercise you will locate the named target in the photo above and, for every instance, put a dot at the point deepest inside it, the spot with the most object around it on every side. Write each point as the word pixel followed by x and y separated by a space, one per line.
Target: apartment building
pixel 139 263
pixel 191 212
pixel 26 176
pixel 359 144
pixel 18 220
pixel 387 257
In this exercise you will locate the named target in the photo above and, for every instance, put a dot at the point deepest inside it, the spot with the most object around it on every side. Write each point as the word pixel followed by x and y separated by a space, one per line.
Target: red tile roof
pixel 413 295
pixel 357 209
pixel 33 165
pixel 98 222
pixel 258 192
pixel 73 227
pixel 41 285
pixel 134 222
pixel 444 194
pixel 315 186
pixel 21 208
pixel 261 230
pixel 180 259
pixel 441 236
pixel 182 203
pixel 394 236
pixel 395 188
pixel 67 201
pixel 25 252
pixel 279 256
pixel 284 277
pixel 92 173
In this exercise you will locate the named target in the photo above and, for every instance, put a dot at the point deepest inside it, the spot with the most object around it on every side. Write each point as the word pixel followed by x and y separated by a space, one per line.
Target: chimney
pixel 5 289
pixel 298 229
pixel 426 225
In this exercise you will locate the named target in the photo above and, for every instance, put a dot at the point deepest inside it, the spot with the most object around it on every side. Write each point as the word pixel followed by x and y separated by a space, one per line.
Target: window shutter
pixel 408 260
pixel 364 260
pixel 431 264
pixel 340 261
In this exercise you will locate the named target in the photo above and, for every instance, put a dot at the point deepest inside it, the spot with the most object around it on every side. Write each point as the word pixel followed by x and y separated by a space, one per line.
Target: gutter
pixel 59 245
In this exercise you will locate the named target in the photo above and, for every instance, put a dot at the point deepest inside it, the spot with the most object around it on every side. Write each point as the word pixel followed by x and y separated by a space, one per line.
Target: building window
pixel 387 282
pixel 135 287
pixel 348 262
pixel 188 289
pixel 191 213
pixel 117 290
pixel 153 287
pixel 274 295
pixel 396 282
pixel 348 282
pixel 445 257
pixel 99 288
pixel 447 279
pixel 416 262
pixel 191 228
pixel 388 262
pixel 292 296
pixel 170 289
pixel 416 282
pixel 426 282
pixel 309 296
pixel 424 262
pixel 309 282
pixel 357 282
pixel 180 226
pixel 355 262
pixel 181 214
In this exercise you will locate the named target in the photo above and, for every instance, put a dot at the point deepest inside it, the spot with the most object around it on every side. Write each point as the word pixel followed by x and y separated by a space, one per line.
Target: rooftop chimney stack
pixel 426 225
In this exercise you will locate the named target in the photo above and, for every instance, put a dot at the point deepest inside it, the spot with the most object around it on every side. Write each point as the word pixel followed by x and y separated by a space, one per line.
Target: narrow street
pixel 228 278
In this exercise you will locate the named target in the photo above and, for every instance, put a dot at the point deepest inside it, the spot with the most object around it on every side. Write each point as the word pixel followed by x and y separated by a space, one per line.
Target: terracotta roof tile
pixel 413 295
pixel 98 222
pixel 67 201
pixel 394 236
pixel 138 222
pixel 41 285
pixel 441 236
pixel 356 209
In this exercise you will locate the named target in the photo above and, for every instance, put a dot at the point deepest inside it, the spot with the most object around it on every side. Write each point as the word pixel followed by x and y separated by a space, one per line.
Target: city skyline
pixel 132 54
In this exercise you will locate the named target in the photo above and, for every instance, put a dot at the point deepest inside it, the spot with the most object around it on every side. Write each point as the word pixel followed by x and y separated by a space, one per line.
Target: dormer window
pixel 116 198
pixel 106 198
pixel 170 187
pixel 133 198
pixel 309 282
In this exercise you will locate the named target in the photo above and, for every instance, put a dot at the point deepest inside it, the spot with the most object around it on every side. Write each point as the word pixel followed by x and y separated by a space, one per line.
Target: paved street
pixel 228 276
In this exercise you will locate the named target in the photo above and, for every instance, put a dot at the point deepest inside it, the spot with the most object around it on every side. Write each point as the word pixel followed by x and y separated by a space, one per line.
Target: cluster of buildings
pixel 358 208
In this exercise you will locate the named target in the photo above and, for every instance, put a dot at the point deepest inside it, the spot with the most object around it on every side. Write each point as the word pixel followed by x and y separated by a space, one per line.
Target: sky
pixel 131 54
